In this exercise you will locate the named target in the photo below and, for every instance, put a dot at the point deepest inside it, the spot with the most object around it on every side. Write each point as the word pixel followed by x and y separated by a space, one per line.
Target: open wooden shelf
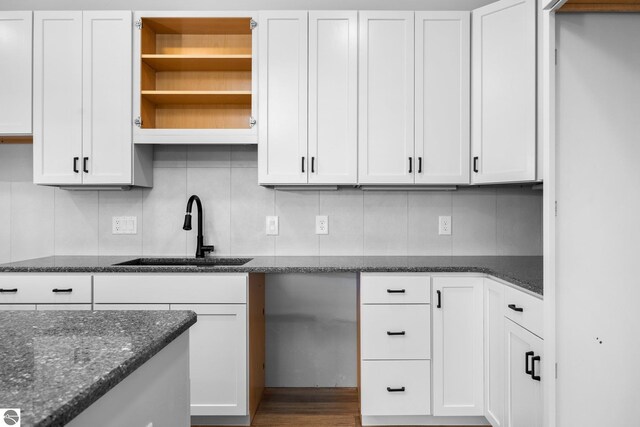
pixel 170 97
pixel 198 62
pixel 601 6
pixel 22 139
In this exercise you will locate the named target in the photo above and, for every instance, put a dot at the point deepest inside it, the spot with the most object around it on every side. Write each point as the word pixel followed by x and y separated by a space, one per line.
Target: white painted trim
pixel 422 420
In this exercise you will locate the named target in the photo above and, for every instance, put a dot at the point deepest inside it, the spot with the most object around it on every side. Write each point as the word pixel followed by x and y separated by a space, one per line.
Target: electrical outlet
pixel 322 224
pixel 124 225
pixel 444 225
pixel 272 226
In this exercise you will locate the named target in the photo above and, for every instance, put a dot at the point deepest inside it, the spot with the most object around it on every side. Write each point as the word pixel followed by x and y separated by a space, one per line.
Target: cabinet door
pixel 282 151
pixel 218 359
pixel 333 97
pixel 442 58
pixel 524 393
pixel 57 97
pixel 67 307
pixel 106 67
pixel 504 92
pixel 457 346
pixel 386 154
pixel 15 76
pixel 494 368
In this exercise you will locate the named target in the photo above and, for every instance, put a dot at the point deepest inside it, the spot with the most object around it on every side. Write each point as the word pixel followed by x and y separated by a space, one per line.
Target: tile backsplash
pixel 39 221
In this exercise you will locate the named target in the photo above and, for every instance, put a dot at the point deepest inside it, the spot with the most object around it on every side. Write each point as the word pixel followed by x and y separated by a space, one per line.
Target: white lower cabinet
pixel 494 354
pixel 523 377
pixel 458 346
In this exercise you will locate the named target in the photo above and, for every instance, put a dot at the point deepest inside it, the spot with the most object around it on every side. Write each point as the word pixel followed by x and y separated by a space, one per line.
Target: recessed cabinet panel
pixel 333 97
pixel 504 92
pixel 386 94
pixel 494 360
pixel 57 102
pixel 107 148
pixel 15 75
pixel 282 152
pixel 442 140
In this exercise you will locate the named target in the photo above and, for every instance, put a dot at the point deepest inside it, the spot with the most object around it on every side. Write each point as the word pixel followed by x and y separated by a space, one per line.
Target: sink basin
pixel 181 262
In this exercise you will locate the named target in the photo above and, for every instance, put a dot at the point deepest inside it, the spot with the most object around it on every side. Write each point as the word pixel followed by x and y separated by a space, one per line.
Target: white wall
pixel 242 4
pixel 598 233
pixel 40 221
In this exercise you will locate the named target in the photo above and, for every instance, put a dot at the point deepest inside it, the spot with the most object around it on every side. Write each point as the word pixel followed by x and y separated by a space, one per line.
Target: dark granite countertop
pixel 55 364
pixel 523 271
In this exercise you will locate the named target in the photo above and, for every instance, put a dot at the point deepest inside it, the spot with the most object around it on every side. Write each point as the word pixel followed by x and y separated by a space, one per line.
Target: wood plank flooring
pixel 308 407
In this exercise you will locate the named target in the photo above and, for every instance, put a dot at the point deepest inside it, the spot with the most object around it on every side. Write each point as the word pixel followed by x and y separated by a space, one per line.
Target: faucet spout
pixel 201 249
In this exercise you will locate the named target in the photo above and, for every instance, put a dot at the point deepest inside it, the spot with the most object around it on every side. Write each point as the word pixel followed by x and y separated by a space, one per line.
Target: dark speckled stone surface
pixel 523 271
pixel 55 364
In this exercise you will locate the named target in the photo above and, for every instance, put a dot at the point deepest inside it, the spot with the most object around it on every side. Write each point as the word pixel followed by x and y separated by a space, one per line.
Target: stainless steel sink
pixel 182 262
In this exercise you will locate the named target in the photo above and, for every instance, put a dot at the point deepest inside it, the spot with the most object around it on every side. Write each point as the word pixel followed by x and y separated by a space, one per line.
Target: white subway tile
pixel 424 210
pixel 385 222
pixel 474 221
pixel 346 222
pixel 519 219
pixel 119 203
pixel 170 156
pixel 208 156
pixel 297 212
pixel 5 222
pixel 32 221
pixel 76 224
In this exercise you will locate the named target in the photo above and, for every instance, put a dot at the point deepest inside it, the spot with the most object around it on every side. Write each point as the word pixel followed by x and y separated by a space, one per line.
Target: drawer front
pixel 171 289
pixel 396 387
pixel 395 288
pixel 531 316
pixel 45 289
pixel 396 331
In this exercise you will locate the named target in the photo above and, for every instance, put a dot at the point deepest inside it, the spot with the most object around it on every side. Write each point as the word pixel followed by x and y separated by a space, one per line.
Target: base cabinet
pixel 458 346
pixel 494 353
pixel 523 383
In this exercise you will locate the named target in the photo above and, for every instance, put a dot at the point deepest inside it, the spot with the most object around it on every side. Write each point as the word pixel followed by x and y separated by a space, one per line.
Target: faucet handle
pixel 208 248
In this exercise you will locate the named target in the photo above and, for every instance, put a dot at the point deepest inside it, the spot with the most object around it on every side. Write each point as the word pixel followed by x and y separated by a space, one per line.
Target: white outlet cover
pixel 272 226
pixel 322 224
pixel 444 225
pixel 124 225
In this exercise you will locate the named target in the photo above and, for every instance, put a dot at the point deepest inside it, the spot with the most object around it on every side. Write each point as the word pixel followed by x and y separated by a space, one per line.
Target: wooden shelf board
pixel 601 6
pixel 22 139
pixel 219 25
pixel 196 97
pixel 198 62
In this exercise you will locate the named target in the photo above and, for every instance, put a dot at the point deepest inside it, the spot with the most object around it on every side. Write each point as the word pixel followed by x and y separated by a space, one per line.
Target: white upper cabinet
pixel 106 64
pixel 458 346
pixel 504 92
pixel 386 105
pixel 282 151
pixel 333 97
pixel 15 74
pixel 57 100
pixel 442 62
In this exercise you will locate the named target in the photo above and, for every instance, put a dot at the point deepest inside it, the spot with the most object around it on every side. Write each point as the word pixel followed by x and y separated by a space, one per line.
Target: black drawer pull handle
pixel 419 164
pixel 303 165
pixel 9 291
pixel 410 165
pixel 63 291
pixel 396 291
pixel 439 294
pixel 534 359
pixel 75 164
pixel 515 308
pixel 313 164
pixel 475 164
pixel 527 355
pixel 395 390
pixel 390 333
pixel 84 165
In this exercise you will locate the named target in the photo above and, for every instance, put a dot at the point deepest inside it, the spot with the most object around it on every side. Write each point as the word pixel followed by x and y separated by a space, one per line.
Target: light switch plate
pixel 124 225
pixel 272 226
pixel 322 224
pixel 444 225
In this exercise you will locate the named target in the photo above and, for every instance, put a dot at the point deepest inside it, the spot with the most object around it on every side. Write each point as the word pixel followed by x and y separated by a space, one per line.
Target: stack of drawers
pixel 395 322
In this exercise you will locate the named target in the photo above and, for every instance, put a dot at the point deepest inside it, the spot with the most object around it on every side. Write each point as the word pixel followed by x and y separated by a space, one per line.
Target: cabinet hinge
pixel 253 24
pixel 252 122
pixel 138 24
pixel 137 121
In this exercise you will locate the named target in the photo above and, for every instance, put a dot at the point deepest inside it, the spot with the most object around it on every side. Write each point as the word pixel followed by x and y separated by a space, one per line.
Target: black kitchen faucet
pixel 201 249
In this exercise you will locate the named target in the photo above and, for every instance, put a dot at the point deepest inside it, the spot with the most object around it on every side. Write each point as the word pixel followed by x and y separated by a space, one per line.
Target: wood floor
pixel 308 407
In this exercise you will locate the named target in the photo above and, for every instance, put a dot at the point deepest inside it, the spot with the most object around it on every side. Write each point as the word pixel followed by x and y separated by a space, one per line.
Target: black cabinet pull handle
pixel 9 291
pixel 302 164
pixel 515 308
pixel 439 294
pixel 313 167
pixel 395 390
pixel 419 164
pixel 534 359
pixel 395 291
pixel 84 165
pixel 390 333
pixel 62 291
pixel 527 355
pixel 75 164
pixel 475 164
pixel 410 164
